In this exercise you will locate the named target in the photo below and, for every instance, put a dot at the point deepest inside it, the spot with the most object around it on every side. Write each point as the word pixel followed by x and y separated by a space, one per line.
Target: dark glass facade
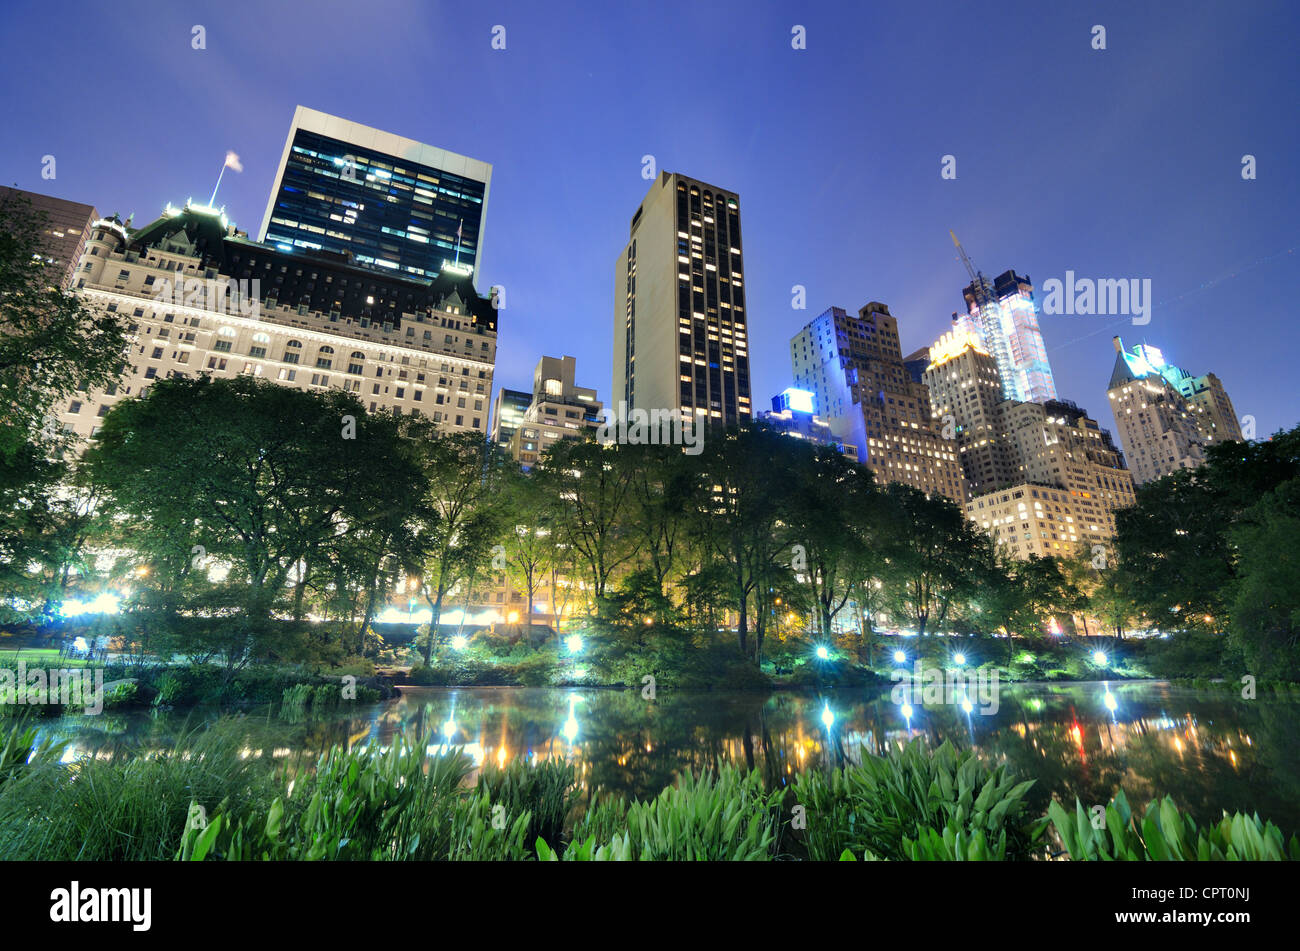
pixel 390 214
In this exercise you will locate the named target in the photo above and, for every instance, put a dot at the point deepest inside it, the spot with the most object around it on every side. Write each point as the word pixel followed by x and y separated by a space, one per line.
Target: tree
pixel 52 344
pixel 257 476
pixel 932 556
pixel 738 516
pixel 827 499
pixel 528 538
pixel 593 484
pixel 459 519
pixel 1264 604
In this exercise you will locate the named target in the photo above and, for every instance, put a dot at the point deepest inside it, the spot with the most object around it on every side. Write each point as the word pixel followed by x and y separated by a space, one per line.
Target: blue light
pixel 823 653
pixel 900 657
pixel 800 401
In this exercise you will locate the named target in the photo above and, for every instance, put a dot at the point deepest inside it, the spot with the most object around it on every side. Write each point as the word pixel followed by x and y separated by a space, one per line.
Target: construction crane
pixel 983 289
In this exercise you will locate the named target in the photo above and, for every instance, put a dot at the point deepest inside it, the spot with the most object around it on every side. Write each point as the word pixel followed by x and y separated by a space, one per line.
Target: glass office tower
pixel 392 204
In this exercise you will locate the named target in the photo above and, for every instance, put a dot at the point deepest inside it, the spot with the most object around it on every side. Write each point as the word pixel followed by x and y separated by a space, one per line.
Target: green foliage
pixel 363 803
pixel 1163 833
pixel 21 750
pixel 545 791
pixel 721 816
pixel 916 804
pixel 97 810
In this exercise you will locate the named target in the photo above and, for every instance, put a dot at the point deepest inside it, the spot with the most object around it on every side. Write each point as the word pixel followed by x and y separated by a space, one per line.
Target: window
pixel 75 407
pixel 257 351
pixel 222 346
pixel 157 353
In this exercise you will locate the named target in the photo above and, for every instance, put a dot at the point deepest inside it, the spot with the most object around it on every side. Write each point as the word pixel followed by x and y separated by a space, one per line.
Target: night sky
pixel 1115 164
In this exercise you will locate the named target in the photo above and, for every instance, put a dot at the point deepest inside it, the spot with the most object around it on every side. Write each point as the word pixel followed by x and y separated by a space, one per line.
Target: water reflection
pixel 1209 750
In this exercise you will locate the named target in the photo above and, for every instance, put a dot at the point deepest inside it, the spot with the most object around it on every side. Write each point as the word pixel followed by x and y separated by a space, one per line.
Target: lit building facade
pixel 1165 415
pixel 507 413
pixel 681 338
pixel 853 366
pixel 198 297
pixel 965 396
pixel 558 409
pixel 1070 481
pixel 66 228
pixel 793 412
pixel 1006 318
pixel 391 203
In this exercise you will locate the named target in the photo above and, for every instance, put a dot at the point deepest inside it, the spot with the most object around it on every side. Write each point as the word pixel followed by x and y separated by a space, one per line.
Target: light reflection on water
pixel 1208 749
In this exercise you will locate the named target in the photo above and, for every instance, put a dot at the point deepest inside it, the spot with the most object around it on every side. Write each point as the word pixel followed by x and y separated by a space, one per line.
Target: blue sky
pixel 1115 163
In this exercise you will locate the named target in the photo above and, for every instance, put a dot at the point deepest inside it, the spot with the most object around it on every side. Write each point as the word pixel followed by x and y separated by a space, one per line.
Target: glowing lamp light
pixel 823 653
pixel 959 659
pixel 1099 658
pixel 458 642
pixel 900 656
pixel 574 643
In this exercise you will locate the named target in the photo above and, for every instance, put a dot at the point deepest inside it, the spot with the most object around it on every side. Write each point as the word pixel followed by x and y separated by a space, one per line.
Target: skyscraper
pixel 965 396
pixel 1070 480
pixel 680 323
pixel 854 367
pixel 391 203
pixel 1006 318
pixel 66 228
pixel 1166 416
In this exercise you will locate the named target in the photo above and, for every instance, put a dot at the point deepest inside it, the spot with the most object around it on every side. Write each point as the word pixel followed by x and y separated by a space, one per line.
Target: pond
pixel 1209 749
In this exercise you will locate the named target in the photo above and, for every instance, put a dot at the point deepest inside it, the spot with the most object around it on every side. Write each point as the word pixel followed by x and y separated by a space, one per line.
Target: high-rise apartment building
pixel 1071 479
pixel 198 297
pixel 681 338
pixel 557 409
pixel 66 228
pixel 391 203
pixel 1004 315
pixel 965 398
pixel 1166 416
pixel 853 366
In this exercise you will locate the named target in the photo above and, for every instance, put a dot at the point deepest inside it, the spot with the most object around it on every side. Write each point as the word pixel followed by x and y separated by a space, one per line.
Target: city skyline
pixel 1099 184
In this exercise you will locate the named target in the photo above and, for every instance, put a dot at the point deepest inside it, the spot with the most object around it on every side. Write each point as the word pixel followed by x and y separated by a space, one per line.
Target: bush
pixel 916 804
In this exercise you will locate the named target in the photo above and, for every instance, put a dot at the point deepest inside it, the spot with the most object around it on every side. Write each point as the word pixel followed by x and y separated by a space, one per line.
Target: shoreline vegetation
pixel 487 660
pixel 204 801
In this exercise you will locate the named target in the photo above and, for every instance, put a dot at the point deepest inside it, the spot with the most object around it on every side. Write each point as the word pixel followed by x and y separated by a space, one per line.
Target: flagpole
pixel 213 202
